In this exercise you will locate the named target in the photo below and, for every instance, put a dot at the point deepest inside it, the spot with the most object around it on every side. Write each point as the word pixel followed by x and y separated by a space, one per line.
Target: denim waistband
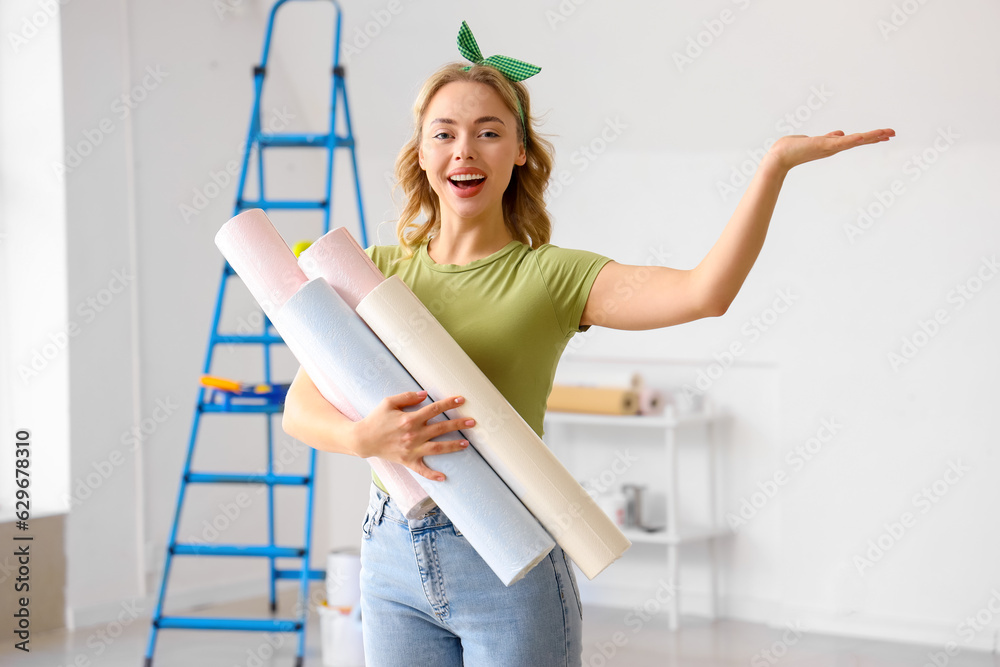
pixel 386 508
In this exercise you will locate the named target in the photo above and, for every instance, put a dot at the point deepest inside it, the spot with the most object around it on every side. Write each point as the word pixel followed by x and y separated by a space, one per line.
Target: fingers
pixel 406 399
pixel 424 471
pixel 437 447
pixel 879 135
pixel 431 410
pixel 858 137
pixel 873 136
pixel 414 432
pixel 409 398
pixel 436 408
pixel 437 429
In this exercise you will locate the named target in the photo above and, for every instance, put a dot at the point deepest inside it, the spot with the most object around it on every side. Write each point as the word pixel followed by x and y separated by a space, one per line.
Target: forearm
pixel 722 272
pixel 310 418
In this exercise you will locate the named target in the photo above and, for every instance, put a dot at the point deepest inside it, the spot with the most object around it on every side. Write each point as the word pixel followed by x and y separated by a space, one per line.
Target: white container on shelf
pixel 613 504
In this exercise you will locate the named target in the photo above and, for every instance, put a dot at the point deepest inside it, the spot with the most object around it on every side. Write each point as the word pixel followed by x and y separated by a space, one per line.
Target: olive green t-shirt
pixel 513 312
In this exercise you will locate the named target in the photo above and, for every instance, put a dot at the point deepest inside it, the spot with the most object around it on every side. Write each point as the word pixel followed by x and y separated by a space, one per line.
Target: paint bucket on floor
pixel 343 578
pixel 342 643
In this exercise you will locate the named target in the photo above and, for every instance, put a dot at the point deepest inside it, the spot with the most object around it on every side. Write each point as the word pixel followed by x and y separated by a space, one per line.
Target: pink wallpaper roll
pixel 267 266
pixel 261 258
pixel 650 401
pixel 337 257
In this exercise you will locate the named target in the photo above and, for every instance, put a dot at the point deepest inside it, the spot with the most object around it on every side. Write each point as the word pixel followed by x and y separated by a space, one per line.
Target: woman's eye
pixel 489 134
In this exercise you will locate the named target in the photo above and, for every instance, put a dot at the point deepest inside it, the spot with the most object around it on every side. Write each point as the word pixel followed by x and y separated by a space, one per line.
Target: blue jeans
pixel 429 600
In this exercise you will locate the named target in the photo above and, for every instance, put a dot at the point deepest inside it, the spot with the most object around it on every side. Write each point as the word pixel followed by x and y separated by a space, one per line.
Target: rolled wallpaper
pixel 262 259
pixel 593 400
pixel 342 262
pixel 501 435
pixel 477 501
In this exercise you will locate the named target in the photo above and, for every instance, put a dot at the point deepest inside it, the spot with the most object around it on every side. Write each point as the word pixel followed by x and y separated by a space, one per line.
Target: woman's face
pixel 468 149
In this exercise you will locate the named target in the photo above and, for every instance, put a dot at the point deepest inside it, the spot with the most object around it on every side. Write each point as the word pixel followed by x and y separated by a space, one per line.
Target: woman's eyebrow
pixel 479 121
pixel 489 119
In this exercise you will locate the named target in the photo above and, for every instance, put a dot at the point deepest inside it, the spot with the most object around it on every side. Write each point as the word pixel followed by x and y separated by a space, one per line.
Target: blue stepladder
pixel 268 398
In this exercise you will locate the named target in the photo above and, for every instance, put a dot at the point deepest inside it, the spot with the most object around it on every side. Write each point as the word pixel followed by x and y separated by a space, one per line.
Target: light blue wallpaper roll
pixel 490 516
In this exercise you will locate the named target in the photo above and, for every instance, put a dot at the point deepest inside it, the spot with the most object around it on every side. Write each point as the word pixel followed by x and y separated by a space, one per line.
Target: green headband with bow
pixel 512 68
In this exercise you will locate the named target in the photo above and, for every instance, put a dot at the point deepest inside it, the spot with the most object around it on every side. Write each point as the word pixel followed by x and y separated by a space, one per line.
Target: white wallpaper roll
pixel 342 262
pixel 267 266
pixel 501 435
pixel 494 521
pixel 410 496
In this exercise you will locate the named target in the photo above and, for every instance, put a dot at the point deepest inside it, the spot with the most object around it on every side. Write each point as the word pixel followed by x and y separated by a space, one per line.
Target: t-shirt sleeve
pixel 378 257
pixel 568 275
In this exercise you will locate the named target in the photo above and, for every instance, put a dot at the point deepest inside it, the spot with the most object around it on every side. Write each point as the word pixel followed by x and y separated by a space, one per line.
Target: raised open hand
pixel 794 149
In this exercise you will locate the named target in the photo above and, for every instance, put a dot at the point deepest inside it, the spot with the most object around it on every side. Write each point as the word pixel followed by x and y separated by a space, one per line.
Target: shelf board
pixel 686 535
pixel 666 420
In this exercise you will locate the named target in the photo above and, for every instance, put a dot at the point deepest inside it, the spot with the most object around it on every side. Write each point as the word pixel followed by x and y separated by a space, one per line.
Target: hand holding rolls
pixel 394 434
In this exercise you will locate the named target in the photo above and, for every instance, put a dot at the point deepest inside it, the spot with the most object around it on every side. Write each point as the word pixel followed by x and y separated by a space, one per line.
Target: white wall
pixel 34 328
pixel 106 520
pixel 651 191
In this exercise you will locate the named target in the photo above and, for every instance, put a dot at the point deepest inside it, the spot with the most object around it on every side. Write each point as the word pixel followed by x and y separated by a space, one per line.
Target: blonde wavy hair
pixel 523 204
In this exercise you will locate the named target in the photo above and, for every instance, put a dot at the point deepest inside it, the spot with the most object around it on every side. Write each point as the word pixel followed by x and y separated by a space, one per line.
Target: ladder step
pixel 302 140
pixel 297 574
pixel 263 550
pixel 248 339
pixel 238 478
pixel 264 408
pixel 289 139
pixel 267 204
pixel 205 623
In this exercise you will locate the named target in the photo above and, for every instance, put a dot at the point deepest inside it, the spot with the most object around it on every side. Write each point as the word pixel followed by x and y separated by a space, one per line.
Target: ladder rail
pixel 303 597
pixel 354 164
pixel 252 132
pixel 172 539
pixel 337 73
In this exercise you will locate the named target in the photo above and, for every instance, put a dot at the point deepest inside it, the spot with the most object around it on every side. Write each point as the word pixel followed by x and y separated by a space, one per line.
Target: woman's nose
pixel 464 150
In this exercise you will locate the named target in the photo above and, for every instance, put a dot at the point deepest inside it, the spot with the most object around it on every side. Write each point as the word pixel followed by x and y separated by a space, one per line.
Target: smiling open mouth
pixel 466 181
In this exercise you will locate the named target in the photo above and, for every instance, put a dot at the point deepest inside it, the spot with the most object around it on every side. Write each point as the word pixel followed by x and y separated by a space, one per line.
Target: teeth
pixel 467 177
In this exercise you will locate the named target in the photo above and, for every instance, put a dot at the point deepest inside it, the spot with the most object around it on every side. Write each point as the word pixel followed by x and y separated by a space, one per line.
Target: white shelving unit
pixel 675 534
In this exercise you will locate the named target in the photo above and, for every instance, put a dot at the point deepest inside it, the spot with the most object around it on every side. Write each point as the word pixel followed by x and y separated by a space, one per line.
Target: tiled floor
pixel 699 643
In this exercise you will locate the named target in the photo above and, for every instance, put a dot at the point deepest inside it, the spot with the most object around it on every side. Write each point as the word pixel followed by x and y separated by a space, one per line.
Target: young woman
pixel 482 263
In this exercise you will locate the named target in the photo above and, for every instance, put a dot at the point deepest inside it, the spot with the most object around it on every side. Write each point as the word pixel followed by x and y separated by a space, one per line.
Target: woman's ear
pixel 420 157
pixel 522 156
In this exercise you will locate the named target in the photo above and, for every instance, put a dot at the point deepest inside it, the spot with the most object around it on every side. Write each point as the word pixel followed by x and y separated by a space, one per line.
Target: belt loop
pixel 377 518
